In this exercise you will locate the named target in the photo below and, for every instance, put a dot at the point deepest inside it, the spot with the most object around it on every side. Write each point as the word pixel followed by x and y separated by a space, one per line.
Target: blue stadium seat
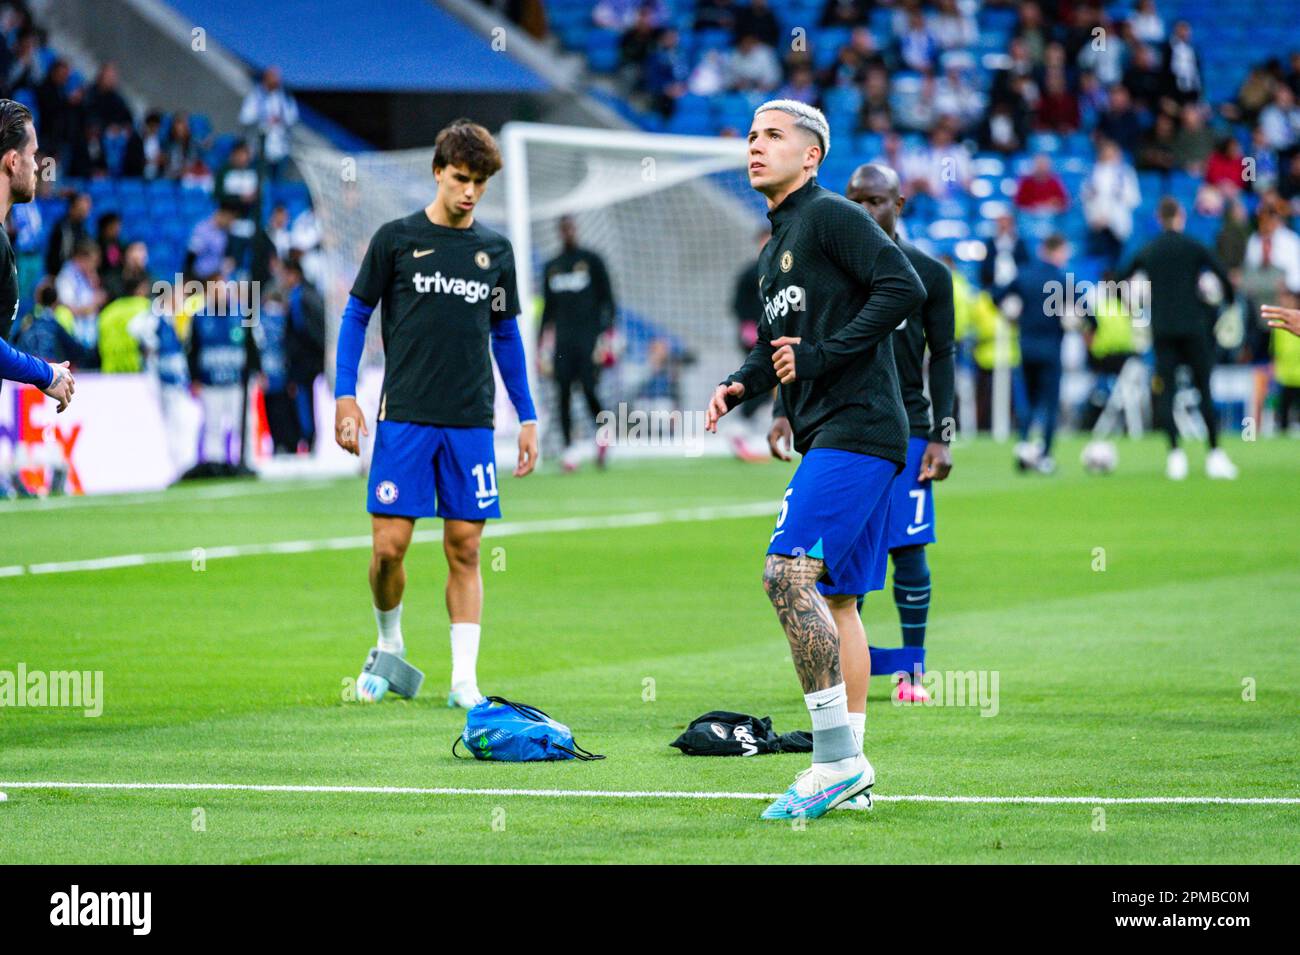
pixel 1048 143
pixel 868 146
pixel 602 51
pixel 221 147
pixel 843 100
pixel 706 40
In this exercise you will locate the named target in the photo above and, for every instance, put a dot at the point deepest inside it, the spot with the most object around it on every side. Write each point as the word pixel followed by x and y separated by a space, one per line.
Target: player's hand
pixel 1279 317
pixel 349 425
pixel 62 386
pixel 783 358
pixel 718 404
pixel 527 449
pixel 936 463
pixel 780 439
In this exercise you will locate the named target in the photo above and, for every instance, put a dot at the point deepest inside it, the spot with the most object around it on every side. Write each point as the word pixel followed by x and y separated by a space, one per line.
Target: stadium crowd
pixel 1008 121
pixel 139 214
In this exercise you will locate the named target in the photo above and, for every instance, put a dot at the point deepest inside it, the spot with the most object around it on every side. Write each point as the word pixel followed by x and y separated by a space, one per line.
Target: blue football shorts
pixel 836 509
pixel 425 470
pixel 911 516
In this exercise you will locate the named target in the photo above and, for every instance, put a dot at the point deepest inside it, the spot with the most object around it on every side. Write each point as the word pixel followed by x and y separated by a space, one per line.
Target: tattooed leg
pixel 791 585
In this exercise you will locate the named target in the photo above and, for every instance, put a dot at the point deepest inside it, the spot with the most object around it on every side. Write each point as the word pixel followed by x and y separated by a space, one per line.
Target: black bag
pixel 721 733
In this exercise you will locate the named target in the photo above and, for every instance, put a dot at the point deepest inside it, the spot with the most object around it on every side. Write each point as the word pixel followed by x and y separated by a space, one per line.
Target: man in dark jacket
pixel 578 303
pixel 305 337
pixel 1182 330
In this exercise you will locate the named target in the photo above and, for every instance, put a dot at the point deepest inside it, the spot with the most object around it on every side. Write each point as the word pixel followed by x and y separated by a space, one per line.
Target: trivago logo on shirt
pixel 467 289
pixel 792 298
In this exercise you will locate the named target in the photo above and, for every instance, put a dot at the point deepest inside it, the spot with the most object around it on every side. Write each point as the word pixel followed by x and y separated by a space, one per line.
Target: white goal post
pixel 673 217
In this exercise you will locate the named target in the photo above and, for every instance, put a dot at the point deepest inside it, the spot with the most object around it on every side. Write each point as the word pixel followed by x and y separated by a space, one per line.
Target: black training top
pixel 577 299
pixel 830 276
pixel 441 289
pixel 8 286
pixel 1173 263
pixel 932 326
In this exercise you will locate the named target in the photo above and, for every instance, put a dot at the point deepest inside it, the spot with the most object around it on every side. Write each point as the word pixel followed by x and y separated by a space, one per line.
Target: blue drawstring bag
pixel 507 732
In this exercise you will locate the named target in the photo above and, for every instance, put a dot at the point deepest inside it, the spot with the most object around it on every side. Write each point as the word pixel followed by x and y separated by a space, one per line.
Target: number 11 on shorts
pixel 487 481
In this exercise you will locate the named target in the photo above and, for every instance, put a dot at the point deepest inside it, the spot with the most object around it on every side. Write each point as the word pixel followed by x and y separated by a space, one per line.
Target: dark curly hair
pixel 464 142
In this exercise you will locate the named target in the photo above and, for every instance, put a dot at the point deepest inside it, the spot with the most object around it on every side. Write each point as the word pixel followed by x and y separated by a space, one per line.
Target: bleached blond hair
pixel 805 117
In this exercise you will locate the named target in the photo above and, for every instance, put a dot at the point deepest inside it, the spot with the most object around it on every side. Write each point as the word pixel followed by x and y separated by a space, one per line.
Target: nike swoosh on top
pixel 911 529
pixel 419 253
pixel 488 503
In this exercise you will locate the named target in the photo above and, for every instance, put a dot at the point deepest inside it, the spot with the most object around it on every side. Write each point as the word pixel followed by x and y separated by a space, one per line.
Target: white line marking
pixel 663 794
pixel 362 541
pixel 171 495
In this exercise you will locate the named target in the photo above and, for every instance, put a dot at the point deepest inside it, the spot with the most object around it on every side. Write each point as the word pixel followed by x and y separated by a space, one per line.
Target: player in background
pixel 18 184
pixel 931 423
pixel 1182 330
pixel 834 288
pixel 447 284
pixel 578 303
pixel 218 354
pixel 1041 335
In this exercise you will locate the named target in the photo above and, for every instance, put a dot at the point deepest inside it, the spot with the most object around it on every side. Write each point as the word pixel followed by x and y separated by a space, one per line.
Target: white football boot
pixel 1219 467
pixel 1176 465
pixel 465 696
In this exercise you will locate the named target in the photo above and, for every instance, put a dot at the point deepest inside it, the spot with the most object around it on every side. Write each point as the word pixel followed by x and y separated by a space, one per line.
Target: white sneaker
pixel 1027 454
pixel 1219 467
pixel 1176 465
pixel 465 696
pixel 570 460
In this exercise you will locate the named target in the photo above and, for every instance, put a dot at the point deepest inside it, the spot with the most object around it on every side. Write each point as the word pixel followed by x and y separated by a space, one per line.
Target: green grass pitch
pixel 1170 672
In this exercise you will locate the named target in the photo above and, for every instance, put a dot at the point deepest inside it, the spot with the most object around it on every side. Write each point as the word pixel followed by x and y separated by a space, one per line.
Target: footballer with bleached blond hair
pixel 834 287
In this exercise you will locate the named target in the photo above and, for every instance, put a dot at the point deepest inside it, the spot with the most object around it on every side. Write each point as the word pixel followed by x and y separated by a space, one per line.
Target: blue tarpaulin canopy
pixel 386 46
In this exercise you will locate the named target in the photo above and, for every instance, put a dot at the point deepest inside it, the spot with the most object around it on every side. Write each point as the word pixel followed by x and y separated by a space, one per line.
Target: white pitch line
pixel 363 541
pixel 662 794
pixel 172 495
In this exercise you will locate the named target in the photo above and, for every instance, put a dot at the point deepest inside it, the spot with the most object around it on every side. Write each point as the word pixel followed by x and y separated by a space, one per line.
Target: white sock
pixel 390 629
pixel 464 653
pixel 832 739
pixel 858 723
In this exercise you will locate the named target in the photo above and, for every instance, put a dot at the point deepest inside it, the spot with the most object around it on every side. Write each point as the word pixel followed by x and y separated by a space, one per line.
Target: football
pixel 1099 457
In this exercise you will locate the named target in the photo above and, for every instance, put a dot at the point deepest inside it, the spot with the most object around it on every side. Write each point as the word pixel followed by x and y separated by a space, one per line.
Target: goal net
pixel 673 217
